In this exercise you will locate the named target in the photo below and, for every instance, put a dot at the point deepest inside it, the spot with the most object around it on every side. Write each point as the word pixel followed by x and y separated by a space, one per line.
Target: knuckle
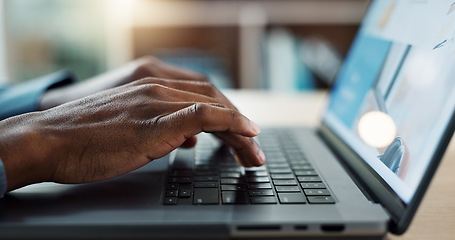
pixel 142 70
pixel 145 67
pixel 200 109
pixel 152 89
pixel 233 114
pixel 142 81
pixel 219 105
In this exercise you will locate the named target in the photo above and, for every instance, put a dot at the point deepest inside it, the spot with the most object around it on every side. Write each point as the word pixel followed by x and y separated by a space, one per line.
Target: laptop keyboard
pixel 212 176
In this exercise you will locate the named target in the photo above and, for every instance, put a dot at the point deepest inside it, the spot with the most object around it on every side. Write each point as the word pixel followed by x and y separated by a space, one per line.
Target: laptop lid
pixel 391 111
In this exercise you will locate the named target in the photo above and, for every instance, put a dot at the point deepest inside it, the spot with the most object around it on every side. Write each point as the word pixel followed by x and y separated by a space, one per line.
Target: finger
pixel 164 93
pixel 202 88
pixel 175 72
pixel 246 150
pixel 203 117
pixel 190 142
pixel 152 67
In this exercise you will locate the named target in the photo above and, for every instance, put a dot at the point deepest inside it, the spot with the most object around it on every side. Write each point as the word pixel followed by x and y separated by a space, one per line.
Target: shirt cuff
pixel 25 97
pixel 3 182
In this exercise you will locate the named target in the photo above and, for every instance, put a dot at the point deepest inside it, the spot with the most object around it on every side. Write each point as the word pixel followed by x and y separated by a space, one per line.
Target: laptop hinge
pixel 354 176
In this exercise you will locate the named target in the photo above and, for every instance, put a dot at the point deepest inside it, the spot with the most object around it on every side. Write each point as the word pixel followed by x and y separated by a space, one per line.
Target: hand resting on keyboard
pixel 119 130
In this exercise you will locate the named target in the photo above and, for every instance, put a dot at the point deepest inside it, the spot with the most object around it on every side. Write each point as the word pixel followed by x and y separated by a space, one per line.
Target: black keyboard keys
pixel 263 200
pixel 184 193
pixel 234 197
pixel 170 201
pixel 205 196
pixel 261 192
pixel 289 198
pixel 214 177
pixel 317 192
pixel 312 185
pixel 321 200
pixel 287 188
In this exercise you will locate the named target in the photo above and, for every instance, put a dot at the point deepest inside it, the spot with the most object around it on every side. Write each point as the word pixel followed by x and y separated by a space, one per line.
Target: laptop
pixel 361 174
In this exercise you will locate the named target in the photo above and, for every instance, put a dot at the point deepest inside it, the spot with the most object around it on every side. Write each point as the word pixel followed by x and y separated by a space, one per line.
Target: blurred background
pixel 285 45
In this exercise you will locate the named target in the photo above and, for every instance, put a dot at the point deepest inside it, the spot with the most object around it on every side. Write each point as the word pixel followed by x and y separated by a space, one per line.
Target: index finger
pixel 204 117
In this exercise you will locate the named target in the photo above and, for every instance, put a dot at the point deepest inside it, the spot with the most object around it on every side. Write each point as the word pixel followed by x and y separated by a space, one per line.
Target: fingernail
pixel 261 156
pixel 255 127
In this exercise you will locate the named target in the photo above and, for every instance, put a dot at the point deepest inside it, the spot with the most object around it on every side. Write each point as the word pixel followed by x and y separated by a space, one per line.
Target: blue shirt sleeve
pixel 25 97
pixel 2 179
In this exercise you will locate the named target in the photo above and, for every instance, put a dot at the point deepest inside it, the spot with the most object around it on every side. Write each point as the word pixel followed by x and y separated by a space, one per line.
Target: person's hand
pixel 119 130
pixel 137 69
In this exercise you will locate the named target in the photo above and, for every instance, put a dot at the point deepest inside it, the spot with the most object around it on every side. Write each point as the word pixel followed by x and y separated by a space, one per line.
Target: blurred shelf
pixel 225 12
pixel 234 29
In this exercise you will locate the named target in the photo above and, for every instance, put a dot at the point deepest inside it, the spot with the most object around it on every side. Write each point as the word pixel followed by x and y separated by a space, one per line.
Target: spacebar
pixel 205 196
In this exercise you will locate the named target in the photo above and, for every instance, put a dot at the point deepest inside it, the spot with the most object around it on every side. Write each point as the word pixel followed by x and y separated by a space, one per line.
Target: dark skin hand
pixel 119 130
pixel 138 69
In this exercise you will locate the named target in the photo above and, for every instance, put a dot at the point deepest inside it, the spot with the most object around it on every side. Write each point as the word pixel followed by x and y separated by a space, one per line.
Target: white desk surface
pixel 435 218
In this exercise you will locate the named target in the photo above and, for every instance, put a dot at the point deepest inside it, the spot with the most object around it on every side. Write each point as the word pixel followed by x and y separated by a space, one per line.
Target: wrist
pixel 24 152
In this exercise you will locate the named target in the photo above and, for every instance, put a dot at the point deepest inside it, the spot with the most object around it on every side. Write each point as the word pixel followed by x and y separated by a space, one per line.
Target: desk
pixel 435 218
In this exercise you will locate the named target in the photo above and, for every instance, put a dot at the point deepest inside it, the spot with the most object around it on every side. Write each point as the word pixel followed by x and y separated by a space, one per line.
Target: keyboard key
pixel 234 197
pixel 321 200
pixel 312 185
pixel 258 179
pixel 298 162
pixel 287 188
pixel 284 182
pixel 170 201
pixel 205 172
pixel 208 178
pixel 205 196
pixel 277 159
pixel 261 192
pixel 180 180
pixel 185 193
pixel 172 186
pixel 282 176
pixel 232 169
pixel 296 158
pixel 287 198
pixel 263 200
pixel 281 170
pixel 278 165
pixel 309 179
pixel 232 188
pixel 172 193
pixel 230 175
pixel 317 192
pixel 302 167
pixel 254 169
pixel 306 173
pixel 257 174
pixel 259 185
pixel 206 185
pixel 230 181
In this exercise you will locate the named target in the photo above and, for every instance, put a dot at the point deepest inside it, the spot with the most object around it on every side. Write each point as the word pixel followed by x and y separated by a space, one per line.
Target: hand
pixel 119 130
pixel 138 69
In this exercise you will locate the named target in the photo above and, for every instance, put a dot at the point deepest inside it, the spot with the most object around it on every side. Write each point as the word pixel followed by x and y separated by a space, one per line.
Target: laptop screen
pixel 395 94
